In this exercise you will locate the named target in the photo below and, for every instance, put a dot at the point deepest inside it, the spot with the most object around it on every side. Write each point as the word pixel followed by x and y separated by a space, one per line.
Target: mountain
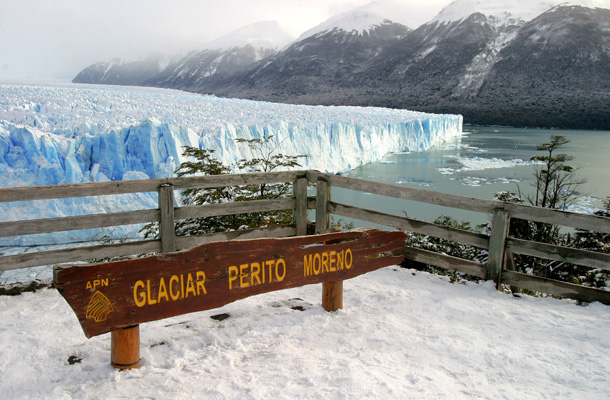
pixel 117 72
pixel 223 57
pixel 503 66
pixel 442 64
pixel 542 63
pixel 322 60
pixel 553 73
pixel 220 58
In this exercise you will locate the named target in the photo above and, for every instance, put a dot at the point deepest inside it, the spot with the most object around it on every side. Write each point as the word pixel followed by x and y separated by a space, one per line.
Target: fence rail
pixel 498 244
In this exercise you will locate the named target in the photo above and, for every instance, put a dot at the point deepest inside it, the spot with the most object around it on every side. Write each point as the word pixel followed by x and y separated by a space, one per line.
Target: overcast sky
pixel 55 39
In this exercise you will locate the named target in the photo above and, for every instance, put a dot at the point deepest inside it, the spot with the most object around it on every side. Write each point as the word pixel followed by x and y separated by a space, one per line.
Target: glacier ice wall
pixel 72 134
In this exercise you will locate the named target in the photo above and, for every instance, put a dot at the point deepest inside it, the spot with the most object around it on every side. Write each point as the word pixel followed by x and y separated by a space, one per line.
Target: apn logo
pixel 99 307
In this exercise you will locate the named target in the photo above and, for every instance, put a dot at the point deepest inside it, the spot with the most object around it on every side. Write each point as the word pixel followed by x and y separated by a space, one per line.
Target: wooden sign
pixel 120 294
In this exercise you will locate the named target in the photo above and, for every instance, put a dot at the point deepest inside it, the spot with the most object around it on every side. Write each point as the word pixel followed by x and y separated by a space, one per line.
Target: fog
pixel 56 39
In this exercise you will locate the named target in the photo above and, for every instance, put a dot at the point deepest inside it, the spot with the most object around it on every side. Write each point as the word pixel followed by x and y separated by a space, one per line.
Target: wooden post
pixel 323 195
pixel 497 241
pixel 332 295
pixel 125 348
pixel 166 226
pixel 300 211
pixel 332 291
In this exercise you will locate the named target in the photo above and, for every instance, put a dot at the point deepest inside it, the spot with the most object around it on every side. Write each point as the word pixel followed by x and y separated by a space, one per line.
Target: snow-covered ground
pixel 402 335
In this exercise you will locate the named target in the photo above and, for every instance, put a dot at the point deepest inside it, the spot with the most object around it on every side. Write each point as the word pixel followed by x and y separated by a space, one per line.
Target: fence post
pixel 323 195
pixel 332 291
pixel 166 227
pixel 497 240
pixel 300 212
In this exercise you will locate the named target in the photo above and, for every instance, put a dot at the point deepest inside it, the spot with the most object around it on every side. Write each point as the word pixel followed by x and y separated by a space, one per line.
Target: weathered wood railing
pixel 498 243
pixel 165 215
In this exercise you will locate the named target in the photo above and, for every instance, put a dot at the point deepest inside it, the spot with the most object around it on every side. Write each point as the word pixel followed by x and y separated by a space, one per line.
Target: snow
pixel 508 11
pixel 357 21
pixel 409 13
pixel 403 334
pixel 71 134
pixel 264 34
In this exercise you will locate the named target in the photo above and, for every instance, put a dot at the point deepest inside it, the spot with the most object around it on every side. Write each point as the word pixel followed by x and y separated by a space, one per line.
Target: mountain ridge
pixel 490 66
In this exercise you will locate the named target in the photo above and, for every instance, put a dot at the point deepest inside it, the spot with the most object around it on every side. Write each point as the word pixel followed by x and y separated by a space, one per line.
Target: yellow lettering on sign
pixel 243 275
pixel 96 283
pixel 149 299
pixel 349 258
pixel 155 292
pixel 256 273
pixel 190 286
pixel 175 296
pixel 332 259
pixel 138 296
pixel 201 283
pixel 233 273
pixel 269 264
pixel 162 290
pixel 318 263
pixel 255 270
pixel 277 268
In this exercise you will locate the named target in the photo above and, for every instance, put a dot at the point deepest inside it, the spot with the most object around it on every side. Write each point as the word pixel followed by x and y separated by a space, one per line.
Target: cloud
pixel 56 39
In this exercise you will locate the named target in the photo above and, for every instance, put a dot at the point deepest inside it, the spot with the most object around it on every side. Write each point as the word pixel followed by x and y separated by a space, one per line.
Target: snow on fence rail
pixel 498 243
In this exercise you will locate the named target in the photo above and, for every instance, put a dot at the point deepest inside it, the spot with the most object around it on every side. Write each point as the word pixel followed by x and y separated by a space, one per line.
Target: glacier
pixel 65 133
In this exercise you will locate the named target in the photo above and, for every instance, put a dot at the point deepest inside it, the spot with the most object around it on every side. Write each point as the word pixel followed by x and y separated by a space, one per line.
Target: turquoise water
pixel 485 160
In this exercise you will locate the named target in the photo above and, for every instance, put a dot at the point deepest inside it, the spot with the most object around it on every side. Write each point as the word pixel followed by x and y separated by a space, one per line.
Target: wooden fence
pixel 498 243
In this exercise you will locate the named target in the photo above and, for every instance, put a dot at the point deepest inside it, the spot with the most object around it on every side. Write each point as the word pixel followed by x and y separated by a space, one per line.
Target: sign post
pixel 120 295
pixel 125 347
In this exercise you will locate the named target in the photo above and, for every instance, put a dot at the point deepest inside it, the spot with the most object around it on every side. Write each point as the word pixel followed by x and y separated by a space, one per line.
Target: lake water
pixel 485 160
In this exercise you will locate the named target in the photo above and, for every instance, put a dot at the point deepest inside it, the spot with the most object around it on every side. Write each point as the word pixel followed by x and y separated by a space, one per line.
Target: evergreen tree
pixel 203 162
pixel 268 159
pixel 555 186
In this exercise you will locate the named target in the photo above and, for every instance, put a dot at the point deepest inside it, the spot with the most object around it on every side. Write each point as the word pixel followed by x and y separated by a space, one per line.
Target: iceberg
pixel 64 134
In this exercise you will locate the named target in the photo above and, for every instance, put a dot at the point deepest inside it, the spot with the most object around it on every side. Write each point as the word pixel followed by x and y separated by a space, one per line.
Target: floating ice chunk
pixel 481 163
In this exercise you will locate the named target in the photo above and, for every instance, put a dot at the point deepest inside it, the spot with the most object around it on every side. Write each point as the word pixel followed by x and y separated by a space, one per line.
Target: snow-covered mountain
pixel 118 72
pixel 506 12
pixel 358 22
pixel 322 60
pixel 539 63
pixel 505 62
pixel 260 35
pixel 223 57
pixel 475 58
pixel 557 64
